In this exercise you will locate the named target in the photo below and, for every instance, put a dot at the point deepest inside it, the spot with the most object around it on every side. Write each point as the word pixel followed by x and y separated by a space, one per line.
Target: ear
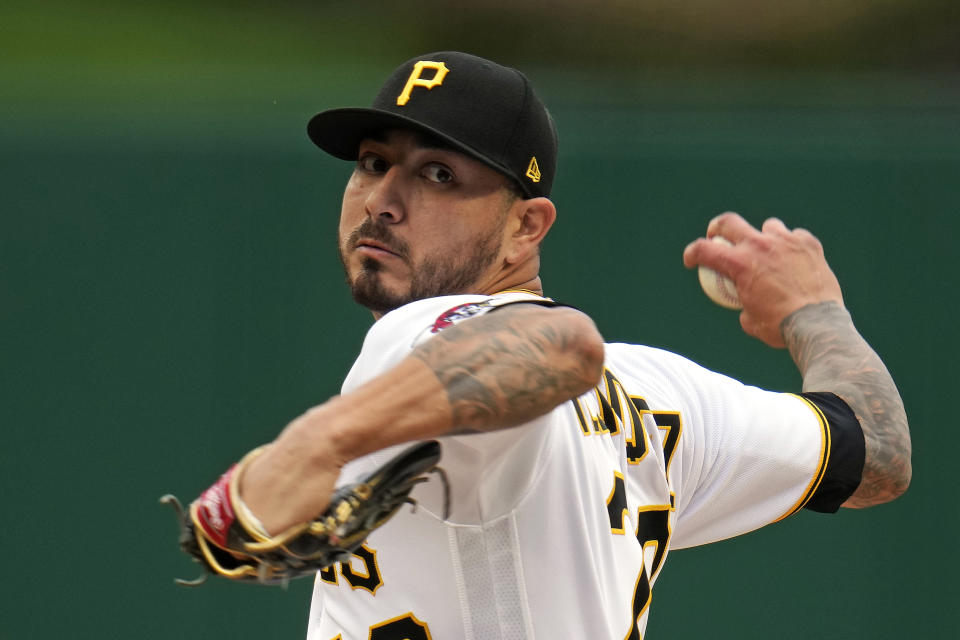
pixel 530 220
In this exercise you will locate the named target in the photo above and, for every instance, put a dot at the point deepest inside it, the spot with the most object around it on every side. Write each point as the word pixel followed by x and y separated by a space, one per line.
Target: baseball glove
pixel 221 537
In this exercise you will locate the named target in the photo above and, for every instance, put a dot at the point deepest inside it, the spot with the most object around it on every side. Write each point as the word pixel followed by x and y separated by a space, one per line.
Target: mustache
pixel 374 231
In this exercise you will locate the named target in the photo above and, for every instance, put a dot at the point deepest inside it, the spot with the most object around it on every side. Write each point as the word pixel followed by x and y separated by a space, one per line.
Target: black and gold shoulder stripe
pixel 842 455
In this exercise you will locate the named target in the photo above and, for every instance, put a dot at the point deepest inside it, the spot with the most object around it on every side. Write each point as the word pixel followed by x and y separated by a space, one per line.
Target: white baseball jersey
pixel 558 528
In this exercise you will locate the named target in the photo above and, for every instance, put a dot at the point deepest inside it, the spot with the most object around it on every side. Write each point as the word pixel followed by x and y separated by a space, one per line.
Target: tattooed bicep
pixel 511 365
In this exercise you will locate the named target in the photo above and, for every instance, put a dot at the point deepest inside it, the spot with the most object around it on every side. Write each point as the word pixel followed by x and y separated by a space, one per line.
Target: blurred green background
pixel 170 295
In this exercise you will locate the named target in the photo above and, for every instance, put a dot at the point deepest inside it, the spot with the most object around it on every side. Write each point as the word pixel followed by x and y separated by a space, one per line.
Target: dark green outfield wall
pixel 170 298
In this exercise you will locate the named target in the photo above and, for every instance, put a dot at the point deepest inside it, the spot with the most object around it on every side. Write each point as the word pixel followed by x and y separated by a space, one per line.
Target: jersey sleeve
pixel 746 457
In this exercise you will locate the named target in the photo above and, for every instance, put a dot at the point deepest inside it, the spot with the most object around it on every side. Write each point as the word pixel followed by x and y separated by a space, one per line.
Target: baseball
pixel 719 288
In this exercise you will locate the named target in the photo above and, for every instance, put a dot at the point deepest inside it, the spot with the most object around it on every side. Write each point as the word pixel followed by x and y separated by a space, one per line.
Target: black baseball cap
pixel 478 107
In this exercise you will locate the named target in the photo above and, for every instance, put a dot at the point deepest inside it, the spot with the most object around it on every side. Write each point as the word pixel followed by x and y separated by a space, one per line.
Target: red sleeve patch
pixel 458 313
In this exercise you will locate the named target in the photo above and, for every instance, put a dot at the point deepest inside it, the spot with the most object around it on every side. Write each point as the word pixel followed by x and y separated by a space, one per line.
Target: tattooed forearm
pixel 832 356
pixel 514 364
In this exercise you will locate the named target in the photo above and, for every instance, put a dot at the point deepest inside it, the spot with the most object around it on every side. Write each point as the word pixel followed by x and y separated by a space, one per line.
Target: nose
pixel 385 200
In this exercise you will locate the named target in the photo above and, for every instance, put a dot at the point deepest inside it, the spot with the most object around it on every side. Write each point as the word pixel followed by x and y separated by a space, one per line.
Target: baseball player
pixel 573 466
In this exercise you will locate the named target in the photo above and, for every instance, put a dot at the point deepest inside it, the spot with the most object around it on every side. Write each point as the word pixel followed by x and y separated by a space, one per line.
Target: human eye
pixel 439 173
pixel 372 162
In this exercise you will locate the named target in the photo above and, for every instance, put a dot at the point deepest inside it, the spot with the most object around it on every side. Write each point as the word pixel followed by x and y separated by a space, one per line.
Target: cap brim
pixel 339 132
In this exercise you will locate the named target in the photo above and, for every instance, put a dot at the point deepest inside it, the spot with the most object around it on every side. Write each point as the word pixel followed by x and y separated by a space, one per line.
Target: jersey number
pixel 653 521
pixel 405 627
pixel 367 577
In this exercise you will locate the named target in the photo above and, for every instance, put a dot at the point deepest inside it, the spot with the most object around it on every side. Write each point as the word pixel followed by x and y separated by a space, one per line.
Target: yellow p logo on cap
pixel 416 81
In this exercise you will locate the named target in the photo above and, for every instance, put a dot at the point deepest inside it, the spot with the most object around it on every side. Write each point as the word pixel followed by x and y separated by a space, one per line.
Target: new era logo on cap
pixel 533 170
pixel 478 107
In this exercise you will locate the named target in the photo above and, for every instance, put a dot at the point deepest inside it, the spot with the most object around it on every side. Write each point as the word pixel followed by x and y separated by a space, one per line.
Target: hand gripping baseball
pixel 217 533
pixel 776 271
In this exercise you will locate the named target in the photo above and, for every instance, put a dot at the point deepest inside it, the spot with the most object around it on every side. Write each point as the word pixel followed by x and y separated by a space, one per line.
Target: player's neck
pixel 533 285
pixel 523 276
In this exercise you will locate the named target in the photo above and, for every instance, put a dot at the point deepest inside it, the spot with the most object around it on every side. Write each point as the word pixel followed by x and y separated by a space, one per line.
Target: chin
pixel 369 290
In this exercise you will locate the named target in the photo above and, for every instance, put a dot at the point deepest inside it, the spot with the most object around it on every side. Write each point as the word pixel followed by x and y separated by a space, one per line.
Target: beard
pixel 450 273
